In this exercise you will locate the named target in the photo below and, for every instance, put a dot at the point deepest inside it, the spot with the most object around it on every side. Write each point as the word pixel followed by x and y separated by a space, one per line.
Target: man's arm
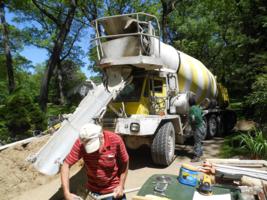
pixel 72 158
pixel 124 171
pixel 64 172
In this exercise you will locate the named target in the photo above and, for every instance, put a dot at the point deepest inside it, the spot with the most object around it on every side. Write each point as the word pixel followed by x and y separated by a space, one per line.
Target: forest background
pixel 228 36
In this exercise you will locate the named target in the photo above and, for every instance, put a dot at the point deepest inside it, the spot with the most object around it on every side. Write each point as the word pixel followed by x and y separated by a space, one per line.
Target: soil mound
pixel 18 175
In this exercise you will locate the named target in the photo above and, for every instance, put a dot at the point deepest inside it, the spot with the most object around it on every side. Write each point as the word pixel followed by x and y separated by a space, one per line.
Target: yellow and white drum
pixel 194 76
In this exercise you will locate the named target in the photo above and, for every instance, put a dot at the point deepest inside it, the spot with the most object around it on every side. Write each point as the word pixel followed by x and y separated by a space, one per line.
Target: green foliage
pixel 41 31
pixel 4 133
pixel 231 147
pixel 72 79
pixel 256 101
pixel 37 118
pixel 92 54
pixel 3 91
pixel 228 36
pixel 96 79
pixel 18 121
pixel 252 145
pixel 22 115
pixel 56 110
pixel 237 106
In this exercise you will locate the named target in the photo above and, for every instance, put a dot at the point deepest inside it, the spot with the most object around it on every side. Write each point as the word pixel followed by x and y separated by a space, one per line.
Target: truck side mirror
pixel 172 83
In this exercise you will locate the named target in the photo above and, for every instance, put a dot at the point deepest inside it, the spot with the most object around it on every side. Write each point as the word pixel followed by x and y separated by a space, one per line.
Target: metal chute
pixel 93 106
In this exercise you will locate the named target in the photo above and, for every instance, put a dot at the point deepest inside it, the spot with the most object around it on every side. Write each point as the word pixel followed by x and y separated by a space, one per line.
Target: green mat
pixel 176 190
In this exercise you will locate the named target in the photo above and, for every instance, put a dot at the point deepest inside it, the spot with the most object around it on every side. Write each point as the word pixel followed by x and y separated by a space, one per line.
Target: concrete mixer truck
pixel 144 94
pixel 152 109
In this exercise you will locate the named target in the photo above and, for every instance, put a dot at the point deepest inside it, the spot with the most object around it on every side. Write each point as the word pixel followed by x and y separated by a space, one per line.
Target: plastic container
pixel 188 175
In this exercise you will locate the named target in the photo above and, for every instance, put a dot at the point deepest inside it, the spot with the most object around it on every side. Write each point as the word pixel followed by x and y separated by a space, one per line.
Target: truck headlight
pixel 135 127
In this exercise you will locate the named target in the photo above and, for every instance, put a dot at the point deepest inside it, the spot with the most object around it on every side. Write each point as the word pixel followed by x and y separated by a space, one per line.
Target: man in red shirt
pixel 106 162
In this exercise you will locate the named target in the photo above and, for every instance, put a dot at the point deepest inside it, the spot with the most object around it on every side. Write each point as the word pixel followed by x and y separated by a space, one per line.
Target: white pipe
pixel 18 142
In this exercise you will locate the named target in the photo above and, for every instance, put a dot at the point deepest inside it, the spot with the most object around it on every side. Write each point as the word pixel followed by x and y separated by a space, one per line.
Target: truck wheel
pixel 220 126
pixel 205 128
pixel 212 126
pixel 163 145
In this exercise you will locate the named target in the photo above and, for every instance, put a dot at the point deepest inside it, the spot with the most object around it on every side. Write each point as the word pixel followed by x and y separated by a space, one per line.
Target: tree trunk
pixel 9 65
pixel 60 84
pixel 163 25
pixel 167 7
pixel 164 20
pixel 55 56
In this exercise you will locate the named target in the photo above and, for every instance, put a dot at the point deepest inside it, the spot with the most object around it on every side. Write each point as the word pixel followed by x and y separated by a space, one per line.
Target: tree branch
pixel 93 11
pixel 72 44
pixel 46 13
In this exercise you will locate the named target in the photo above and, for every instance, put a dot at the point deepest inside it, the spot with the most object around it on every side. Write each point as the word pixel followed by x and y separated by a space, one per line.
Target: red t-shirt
pixel 103 168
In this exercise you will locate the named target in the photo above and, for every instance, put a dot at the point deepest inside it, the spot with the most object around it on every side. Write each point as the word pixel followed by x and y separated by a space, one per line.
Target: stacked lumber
pixel 249 175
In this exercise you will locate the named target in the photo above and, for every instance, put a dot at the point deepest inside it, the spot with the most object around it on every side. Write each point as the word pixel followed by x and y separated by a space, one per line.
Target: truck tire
pixel 205 128
pixel 212 126
pixel 220 125
pixel 163 145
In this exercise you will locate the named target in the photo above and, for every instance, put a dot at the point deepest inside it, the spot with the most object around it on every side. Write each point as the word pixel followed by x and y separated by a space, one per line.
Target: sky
pixel 38 55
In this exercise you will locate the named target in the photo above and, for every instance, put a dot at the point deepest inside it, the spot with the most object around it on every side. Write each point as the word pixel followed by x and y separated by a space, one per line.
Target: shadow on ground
pixel 77 181
pixel 141 158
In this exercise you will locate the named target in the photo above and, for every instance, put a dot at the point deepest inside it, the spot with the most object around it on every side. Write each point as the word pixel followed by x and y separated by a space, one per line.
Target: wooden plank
pixel 241 169
pixel 239 162
pixel 246 165
pixel 238 172
pixel 149 197
pixel 140 198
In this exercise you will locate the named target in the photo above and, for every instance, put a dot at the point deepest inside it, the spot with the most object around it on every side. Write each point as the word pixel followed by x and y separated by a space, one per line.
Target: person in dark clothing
pixel 198 127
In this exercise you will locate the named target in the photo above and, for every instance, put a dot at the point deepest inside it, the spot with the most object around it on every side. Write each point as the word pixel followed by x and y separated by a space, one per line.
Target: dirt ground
pixel 17 175
pixel 20 181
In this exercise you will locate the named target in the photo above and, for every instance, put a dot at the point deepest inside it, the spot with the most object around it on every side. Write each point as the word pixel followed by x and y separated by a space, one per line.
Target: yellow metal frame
pixel 223 96
pixel 143 105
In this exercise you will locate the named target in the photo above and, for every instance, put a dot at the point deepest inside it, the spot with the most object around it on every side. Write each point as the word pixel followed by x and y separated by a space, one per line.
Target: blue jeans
pixel 199 134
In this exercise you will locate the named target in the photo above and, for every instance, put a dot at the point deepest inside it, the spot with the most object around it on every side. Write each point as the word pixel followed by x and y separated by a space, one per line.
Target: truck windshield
pixel 132 91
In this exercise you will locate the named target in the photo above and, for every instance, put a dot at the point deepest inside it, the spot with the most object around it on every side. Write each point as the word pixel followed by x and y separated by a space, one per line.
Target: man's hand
pixel 118 192
pixel 64 172
pixel 71 196
pixel 207 168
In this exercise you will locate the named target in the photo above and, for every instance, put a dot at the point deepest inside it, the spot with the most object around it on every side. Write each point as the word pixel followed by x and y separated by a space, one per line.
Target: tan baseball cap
pixel 90 136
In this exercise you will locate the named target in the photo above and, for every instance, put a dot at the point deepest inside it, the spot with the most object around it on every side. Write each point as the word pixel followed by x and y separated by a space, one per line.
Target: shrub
pixel 254 144
pixel 251 144
pixel 18 121
pixel 23 115
pixel 37 118
pixel 256 102
pixel 4 135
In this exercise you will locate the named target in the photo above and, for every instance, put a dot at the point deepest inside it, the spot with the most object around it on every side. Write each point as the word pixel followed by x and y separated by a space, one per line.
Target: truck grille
pixel 109 123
